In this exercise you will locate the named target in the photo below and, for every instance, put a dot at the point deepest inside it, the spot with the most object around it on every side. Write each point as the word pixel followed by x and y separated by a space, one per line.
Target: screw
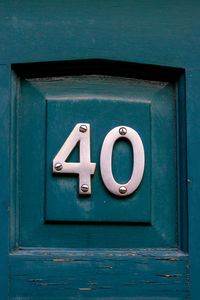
pixel 84 188
pixel 83 128
pixel 122 130
pixel 58 166
pixel 122 190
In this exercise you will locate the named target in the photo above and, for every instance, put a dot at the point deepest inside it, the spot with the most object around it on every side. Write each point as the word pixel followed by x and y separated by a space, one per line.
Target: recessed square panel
pixel 63 202
pixel 49 109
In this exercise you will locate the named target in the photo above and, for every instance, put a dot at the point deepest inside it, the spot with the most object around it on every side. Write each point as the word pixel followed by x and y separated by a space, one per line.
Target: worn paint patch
pixel 63 259
pixel 68 259
pixel 171 258
pixel 170 275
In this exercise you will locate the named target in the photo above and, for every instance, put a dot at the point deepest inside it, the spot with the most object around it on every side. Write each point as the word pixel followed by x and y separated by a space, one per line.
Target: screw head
pixel 83 128
pixel 84 188
pixel 122 190
pixel 58 166
pixel 123 130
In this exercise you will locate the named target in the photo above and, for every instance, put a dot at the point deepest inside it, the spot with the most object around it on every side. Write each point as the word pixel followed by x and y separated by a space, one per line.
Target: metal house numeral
pixel 106 161
pixel 84 168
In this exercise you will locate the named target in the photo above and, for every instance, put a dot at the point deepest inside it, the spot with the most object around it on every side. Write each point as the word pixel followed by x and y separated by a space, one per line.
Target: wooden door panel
pixel 161 43
pixel 49 110
pixel 105 274
pixel 56 255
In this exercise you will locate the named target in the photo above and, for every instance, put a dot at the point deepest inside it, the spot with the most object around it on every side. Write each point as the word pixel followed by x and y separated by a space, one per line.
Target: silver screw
pixel 122 190
pixel 83 128
pixel 84 188
pixel 58 166
pixel 123 130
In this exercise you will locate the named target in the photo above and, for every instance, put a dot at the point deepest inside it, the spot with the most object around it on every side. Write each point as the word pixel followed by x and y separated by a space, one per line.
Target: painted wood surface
pixel 193 146
pixel 49 108
pixel 106 274
pixel 4 176
pixel 147 32
pixel 49 90
pixel 153 32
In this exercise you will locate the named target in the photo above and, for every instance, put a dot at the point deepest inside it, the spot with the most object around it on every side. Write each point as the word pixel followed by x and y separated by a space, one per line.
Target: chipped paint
pixel 170 275
pixel 48 284
pixel 171 258
pixel 68 259
pixel 63 259
pixel 35 280
pixel 105 272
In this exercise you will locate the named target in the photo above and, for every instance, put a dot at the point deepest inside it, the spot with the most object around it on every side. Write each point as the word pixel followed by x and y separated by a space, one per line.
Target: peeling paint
pixel 63 259
pixel 48 284
pixel 68 259
pixel 35 280
pixel 170 275
pixel 171 258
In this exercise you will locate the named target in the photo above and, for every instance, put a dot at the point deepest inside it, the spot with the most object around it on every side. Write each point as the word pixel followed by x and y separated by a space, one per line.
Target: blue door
pixel 99 128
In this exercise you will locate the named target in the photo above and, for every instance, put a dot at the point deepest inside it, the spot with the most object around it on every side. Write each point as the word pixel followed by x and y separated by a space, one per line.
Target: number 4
pixel 80 134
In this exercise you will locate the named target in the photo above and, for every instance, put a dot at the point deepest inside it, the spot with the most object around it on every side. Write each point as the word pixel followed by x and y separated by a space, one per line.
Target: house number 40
pixel 84 168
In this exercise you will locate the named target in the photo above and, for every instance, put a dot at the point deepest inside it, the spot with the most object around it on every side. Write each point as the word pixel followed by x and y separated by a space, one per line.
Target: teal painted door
pixel 48 115
pixel 53 217
pixel 107 64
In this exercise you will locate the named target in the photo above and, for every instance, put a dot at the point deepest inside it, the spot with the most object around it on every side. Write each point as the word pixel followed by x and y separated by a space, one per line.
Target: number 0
pixel 106 161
